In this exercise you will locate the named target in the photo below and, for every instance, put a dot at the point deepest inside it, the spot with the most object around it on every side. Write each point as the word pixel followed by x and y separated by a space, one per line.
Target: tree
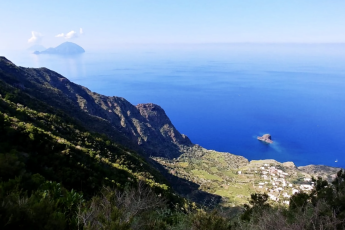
pixel 258 204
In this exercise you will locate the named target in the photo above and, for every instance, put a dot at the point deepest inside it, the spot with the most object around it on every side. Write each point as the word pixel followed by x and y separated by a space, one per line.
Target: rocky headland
pixel 326 172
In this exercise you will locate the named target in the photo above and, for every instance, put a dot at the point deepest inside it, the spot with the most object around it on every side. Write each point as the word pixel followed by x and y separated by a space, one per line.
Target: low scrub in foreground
pixel 51 206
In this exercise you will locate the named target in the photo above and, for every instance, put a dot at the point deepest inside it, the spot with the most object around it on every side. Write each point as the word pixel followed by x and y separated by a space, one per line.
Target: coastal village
pixel 220 174
pixel 277 183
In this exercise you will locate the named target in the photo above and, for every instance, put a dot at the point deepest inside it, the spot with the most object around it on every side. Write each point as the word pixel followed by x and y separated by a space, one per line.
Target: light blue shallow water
pixel 224 96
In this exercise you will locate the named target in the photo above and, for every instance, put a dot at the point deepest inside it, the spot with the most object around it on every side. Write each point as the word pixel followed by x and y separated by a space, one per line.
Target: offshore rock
pixel 266 138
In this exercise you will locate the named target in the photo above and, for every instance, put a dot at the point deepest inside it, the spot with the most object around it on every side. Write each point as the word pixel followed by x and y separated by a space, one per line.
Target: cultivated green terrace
pixel 234 178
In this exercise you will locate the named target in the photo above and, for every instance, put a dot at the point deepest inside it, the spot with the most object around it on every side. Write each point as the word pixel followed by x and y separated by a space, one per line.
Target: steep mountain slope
pixel 55 146
pixel 145 126
pixel 51 167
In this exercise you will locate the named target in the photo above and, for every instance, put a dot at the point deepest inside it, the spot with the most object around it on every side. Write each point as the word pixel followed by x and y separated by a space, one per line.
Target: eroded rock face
pixel 156 116
pixel 266 138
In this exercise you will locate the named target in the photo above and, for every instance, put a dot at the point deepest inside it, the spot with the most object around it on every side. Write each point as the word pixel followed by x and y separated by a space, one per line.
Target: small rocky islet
pixel 266 138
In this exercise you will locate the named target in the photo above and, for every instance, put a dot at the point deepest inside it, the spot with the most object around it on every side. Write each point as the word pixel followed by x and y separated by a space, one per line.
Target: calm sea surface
pixel 224 96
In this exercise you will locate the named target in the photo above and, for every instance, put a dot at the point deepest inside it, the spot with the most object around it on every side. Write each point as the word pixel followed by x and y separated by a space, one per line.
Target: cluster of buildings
pixel 274 182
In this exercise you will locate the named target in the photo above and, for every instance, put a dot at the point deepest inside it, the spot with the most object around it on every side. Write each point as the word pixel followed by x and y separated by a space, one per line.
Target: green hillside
pixel 45 153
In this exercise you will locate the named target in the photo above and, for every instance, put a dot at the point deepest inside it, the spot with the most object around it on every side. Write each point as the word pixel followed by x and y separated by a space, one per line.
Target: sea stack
pixel 266 138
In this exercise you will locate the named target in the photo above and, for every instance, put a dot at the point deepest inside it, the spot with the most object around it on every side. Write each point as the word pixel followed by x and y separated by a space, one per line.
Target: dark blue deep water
pixel 224 96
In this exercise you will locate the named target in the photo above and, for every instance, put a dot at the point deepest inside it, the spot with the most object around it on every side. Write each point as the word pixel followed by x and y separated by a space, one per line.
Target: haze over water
pixel 224 96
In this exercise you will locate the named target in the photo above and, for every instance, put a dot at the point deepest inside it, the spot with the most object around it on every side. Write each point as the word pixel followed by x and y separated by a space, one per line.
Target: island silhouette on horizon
pixel 66 48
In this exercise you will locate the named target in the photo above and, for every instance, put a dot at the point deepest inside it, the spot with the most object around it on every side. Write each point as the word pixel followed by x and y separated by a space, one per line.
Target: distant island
pixel 65 48
pixel 37 48
pixel 266 138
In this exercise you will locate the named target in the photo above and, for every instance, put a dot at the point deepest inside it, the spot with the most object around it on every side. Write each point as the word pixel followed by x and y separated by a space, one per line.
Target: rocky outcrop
pixel 266 138
pixel 326 172
pixel 289 164
pixel 154 114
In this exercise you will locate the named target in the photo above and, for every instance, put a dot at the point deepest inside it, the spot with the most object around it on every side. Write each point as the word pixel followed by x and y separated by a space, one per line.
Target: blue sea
pixel 222 96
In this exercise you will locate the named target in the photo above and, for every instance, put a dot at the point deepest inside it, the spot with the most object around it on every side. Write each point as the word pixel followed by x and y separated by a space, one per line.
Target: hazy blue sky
pixel 108 23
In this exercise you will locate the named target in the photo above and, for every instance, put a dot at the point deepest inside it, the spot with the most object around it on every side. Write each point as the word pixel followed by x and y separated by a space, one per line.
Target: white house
pixel 306 187
pixel 286 195
pixel 295 191
pixel 273 197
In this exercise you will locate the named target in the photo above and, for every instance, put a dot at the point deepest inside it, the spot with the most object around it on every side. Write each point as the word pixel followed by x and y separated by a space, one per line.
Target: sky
pixel 104 24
